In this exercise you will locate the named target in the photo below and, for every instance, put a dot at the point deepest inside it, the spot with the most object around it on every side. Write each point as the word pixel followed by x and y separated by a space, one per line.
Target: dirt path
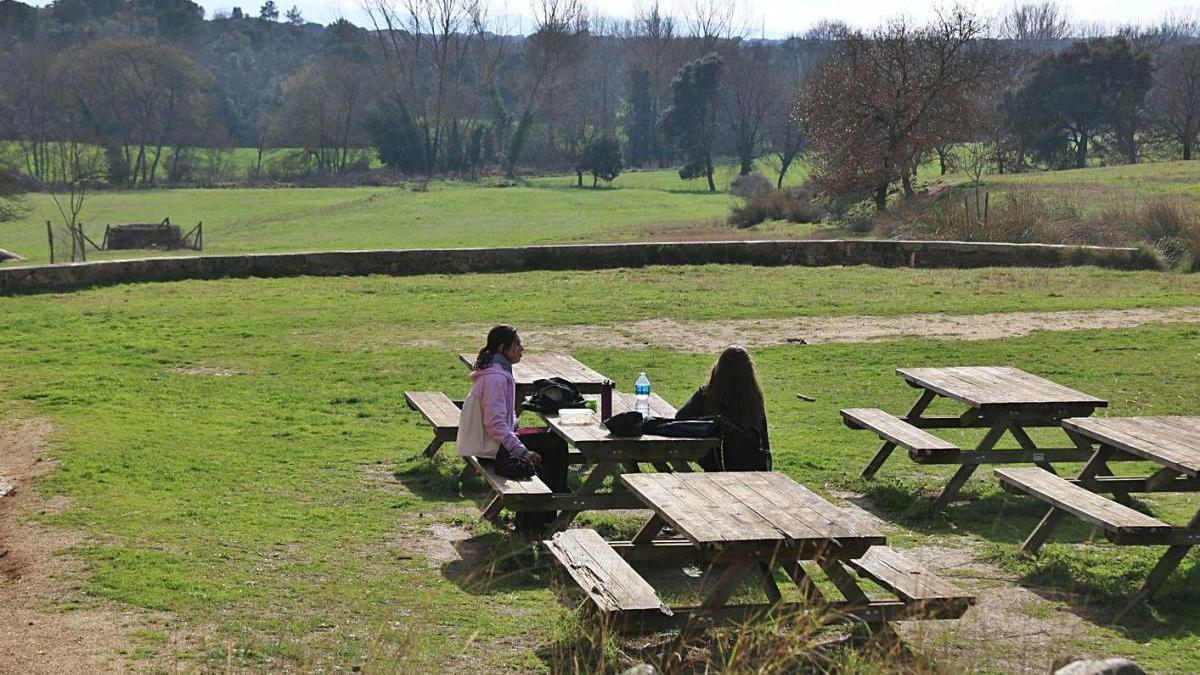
pixel 709 336
pixel 49 625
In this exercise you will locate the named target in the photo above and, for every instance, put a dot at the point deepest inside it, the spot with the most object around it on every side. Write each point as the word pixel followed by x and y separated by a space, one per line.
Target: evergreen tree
pixel 640 118
pixel 269 11
pixel 690 122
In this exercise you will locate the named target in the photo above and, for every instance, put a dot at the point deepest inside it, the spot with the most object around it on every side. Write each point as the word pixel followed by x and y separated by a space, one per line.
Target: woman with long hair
pixel 488 424
pixel 733 393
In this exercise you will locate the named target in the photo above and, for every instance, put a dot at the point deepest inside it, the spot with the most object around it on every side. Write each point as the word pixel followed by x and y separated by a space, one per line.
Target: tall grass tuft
pixel 1168 225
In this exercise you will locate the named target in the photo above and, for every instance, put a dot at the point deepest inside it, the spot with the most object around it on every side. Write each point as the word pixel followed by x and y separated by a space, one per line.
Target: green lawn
pixel 282 504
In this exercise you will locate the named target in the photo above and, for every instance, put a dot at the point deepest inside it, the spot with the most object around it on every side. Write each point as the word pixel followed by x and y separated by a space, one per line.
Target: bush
pixel 797 205
pixel 750 185
pixel 1171 226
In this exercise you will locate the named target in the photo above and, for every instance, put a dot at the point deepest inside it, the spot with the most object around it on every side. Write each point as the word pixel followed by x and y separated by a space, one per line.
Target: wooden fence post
pixel 50 237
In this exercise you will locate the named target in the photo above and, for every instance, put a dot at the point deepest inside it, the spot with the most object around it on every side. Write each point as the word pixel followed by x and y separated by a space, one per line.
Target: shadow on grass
pixel 1097 581
pixel 497 562
pixel 587 643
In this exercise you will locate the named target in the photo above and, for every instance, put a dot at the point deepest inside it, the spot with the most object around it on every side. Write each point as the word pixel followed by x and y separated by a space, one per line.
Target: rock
pixel 642 669
pixel 5 487
pixel 1116 666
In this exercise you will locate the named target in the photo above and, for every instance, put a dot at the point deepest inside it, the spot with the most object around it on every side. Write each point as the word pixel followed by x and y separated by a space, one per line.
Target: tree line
pixel 144 92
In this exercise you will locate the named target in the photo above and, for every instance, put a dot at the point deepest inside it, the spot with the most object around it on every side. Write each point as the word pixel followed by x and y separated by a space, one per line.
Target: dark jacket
pixel 696 406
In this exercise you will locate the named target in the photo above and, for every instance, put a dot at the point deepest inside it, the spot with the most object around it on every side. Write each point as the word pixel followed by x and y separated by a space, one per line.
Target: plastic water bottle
pixel 641 395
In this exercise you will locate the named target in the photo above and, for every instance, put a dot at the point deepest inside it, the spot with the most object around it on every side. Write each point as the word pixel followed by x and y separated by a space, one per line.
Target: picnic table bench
pixel 1171 442
pixel 998 399
pixel 751 523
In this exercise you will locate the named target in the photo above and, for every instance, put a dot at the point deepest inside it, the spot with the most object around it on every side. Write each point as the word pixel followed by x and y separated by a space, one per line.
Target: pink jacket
pixel 496 392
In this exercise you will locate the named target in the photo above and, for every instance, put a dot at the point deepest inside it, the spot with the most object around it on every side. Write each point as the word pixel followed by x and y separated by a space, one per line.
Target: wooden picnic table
pixel 751 523
pixel 607 454
pixel 1171 442
pixel 543 366
pixel 999 399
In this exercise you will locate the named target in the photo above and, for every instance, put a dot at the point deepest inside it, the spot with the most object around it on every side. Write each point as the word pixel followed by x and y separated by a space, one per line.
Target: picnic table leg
pixel 844 582
pixel 1162 569
pixel 803 581
pixel 964 472
pixel 769 586
pixel 886 449
pixel 592 483
pixel 645 535
pixel 726 585
pixel 1101 454
pixel 1026 443
pixel 491 512
pixel 431 449
pixel 1097 463
pixel 680 466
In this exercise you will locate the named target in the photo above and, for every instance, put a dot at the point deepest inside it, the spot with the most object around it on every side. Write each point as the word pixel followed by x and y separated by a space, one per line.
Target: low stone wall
pixel 881 253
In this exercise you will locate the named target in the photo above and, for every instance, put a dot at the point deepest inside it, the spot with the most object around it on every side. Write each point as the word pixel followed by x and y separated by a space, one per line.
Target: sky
pixel 767 18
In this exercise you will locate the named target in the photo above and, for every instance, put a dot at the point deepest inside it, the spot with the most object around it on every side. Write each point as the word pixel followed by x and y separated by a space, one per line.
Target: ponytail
pixel 498 339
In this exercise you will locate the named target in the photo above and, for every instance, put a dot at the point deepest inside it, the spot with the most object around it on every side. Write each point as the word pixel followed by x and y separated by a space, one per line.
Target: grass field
pixel 238 454
pixel 639 206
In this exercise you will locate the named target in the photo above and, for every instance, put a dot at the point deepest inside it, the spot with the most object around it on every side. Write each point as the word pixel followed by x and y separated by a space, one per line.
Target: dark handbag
pixel 511 466
pixel 699 427
pixel 553 394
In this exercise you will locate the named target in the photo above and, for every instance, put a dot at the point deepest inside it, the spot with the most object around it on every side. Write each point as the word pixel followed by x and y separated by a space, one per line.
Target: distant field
pixel 639 206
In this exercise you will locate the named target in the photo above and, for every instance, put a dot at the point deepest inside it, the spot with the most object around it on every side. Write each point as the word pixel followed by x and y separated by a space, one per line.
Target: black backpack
pixel 553 394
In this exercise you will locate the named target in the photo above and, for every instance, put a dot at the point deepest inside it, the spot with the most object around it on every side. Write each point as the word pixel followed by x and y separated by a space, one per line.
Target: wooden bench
pixel 614 588
pixel 894 431
pixel 526 494
pixel 440 411
pixel 1121 524
pixel 926 594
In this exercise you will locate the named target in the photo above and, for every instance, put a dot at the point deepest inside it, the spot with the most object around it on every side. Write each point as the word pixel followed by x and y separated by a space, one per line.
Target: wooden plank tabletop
pixel 751 507
pixel 534 367
pixel 597 444
pixel 982 386
pixel 1173 442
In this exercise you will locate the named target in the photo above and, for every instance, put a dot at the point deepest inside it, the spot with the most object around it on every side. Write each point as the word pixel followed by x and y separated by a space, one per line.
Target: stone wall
pixel 880 253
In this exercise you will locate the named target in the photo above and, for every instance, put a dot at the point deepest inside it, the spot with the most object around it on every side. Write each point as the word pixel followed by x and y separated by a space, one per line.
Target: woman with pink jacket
pixel 488 425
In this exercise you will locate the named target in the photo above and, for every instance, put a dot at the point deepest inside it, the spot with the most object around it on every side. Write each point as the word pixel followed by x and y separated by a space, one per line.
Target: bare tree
pixel 141 96
pixel 426 47
pixel 561 26
pixel 1035 25
pixel 654 47
pixel 712 21
pixel 1173 103
pixel 752 97
pixel 323 109
pixel 884 100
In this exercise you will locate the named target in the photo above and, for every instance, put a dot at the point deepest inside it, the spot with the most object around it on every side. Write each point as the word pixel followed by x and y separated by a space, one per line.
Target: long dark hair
pixel 498 339
pixel 733 390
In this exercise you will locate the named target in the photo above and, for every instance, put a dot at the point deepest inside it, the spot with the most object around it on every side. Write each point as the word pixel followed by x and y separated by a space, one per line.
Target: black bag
pixel 699 427
pixel 553 394
pixel 511 466
pixel 628 423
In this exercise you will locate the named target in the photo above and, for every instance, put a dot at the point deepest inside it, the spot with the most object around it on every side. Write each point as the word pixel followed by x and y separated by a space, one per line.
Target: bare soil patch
pixel 710 336
pixel 49 625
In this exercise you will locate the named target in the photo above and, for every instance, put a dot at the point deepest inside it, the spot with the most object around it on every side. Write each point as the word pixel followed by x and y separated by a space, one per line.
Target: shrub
pixel 750 185
pixel 1171 226
pixel 797 205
